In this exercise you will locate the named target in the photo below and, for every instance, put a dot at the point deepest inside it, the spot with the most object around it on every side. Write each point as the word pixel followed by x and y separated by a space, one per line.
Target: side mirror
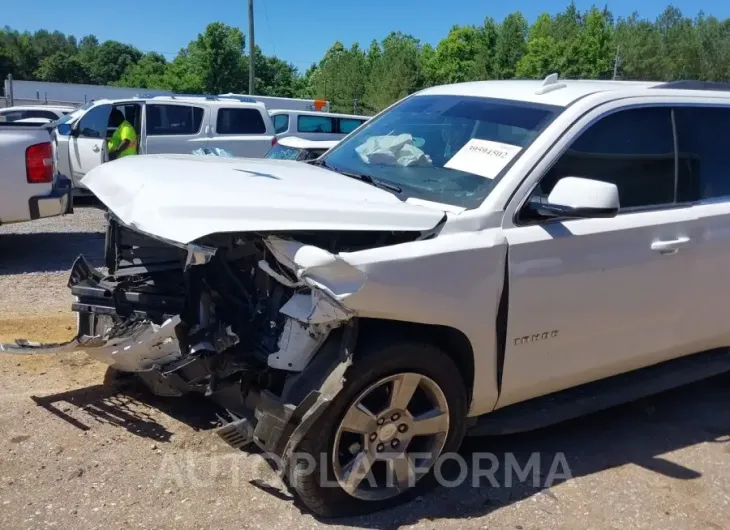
pixel 64 129
pixel 578 198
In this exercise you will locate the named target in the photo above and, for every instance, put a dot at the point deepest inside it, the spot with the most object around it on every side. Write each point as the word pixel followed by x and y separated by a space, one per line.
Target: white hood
pixel 182 197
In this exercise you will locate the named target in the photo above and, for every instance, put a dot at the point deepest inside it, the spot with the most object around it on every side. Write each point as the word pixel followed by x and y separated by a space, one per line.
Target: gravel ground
pixel 76 453
pixel 35 259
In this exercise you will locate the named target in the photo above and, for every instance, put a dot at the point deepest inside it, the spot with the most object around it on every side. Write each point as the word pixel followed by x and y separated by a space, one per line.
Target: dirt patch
pixel 49 327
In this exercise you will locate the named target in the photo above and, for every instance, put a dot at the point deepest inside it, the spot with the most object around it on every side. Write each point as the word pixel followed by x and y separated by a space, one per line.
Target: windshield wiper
pixel 364 178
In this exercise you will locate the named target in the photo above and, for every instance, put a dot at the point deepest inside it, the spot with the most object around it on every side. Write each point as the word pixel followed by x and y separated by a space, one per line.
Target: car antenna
pixel 550 84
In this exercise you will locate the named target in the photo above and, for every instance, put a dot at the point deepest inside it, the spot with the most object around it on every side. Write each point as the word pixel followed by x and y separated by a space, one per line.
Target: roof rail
pixel 550 84
pixel 695 85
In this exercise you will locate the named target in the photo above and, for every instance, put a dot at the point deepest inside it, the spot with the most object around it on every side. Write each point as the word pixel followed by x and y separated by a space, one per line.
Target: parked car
pixel 36 121
pixel 486 257
pixel 312 125
pixel 164 124
pixel 299 149
pixel 30 188
pixel 49 112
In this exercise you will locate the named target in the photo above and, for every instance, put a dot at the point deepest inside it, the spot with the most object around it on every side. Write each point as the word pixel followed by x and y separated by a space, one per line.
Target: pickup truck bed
pixel 30 187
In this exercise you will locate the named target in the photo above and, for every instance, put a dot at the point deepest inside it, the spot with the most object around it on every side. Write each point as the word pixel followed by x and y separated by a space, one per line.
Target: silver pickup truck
pixel 30 186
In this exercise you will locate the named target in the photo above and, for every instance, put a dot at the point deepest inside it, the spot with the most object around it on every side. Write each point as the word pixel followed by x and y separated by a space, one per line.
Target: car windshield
pixel 74 114
pixel 442 148
pixel 282 152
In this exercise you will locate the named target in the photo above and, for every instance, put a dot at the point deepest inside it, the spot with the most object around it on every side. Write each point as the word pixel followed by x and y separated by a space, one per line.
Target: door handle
pixel 96 149
pixel 669 246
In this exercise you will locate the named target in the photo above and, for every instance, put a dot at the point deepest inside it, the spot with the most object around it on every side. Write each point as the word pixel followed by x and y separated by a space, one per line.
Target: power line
pixel 271 36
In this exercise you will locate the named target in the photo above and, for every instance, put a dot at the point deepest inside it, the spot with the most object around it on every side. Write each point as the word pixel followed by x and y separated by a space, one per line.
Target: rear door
pixel 174 128
pixel 243 131
pixel 704 177
pixel 87 145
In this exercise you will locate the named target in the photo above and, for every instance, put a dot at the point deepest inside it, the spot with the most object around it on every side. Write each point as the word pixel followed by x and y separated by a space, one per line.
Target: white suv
pixel 486 257
pixel 164 124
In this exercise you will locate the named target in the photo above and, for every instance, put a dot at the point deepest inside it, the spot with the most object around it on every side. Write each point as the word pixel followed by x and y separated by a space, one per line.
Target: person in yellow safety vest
pixel 124 140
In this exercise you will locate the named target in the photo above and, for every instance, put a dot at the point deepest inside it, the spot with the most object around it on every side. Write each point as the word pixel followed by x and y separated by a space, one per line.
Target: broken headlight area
pixel 232 322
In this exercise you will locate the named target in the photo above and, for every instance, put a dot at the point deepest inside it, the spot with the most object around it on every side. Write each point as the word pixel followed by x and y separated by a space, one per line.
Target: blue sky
pixel 299 31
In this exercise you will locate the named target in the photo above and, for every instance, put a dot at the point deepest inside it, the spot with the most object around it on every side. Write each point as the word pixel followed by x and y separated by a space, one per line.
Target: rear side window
pixel 240 121
pixel 315 124
pixel 633 149
pixel 281 123
pixel 47 114
pixel 347 125
pixel 704 152
pixel 12 116
pixel 171 120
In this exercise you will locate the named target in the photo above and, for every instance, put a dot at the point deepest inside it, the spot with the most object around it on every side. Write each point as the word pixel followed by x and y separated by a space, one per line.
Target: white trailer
pixel 273 102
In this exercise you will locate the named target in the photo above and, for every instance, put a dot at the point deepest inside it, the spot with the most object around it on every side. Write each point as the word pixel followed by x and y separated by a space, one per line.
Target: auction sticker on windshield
pixel 483 157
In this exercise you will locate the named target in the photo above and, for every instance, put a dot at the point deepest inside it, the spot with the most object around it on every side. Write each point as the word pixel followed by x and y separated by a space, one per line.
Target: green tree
pixel 341 77
pixel 681 50
pixel 484 62
pixel 456 55
pixel 106 63
pixel 217 56
pixel 19 48
pixel 275 77
pixel 6 64
pixel 595 46
pixel 428 65
pixel 184 75
pixel 394 71
pixel 62 67
pixel 149 72
pixel 713 37
pixel 544 52
pixel 638 46
pixel 510 45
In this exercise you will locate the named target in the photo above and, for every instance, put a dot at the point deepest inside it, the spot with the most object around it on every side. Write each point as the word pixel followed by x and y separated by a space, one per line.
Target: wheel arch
pixel 451 340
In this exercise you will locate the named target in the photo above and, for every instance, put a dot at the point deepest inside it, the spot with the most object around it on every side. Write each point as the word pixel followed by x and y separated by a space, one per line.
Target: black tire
pixel 370 366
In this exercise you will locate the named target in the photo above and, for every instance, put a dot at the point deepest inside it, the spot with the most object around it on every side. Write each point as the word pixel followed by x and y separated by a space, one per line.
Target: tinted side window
pixel 164 120
pixel 347 125
pixel 315 124
pixel 40 114
pixel 704 152
pixel 240 121
pixel 94 123
pixel 12 116
pixel 633 149
pixel 281 123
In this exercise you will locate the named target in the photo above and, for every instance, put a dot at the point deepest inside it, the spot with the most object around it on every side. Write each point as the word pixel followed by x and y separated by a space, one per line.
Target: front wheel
pixel 402 407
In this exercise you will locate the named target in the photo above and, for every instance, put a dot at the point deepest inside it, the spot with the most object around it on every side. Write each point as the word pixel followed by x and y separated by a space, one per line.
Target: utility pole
pixel 615 64
pixel 9 95
pixel 251 48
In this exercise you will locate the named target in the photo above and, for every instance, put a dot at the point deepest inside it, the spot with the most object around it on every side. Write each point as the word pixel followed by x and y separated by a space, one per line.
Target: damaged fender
pixel 312 316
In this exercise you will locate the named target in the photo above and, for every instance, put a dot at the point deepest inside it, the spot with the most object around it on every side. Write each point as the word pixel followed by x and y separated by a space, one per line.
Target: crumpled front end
pixel 245 319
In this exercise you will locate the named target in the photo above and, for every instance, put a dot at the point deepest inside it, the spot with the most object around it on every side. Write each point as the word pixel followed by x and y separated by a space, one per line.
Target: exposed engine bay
pixel 229 317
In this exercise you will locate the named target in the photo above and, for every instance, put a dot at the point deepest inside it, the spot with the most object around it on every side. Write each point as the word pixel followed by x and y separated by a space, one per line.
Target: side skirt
pixel 603 394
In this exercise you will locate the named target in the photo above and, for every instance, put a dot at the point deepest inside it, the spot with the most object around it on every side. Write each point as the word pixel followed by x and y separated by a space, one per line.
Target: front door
pixel 590 298
pixel 87 145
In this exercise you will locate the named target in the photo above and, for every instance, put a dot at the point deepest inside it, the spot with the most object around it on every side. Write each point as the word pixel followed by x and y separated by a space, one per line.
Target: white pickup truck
pixel 30 187
pixel 481 258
